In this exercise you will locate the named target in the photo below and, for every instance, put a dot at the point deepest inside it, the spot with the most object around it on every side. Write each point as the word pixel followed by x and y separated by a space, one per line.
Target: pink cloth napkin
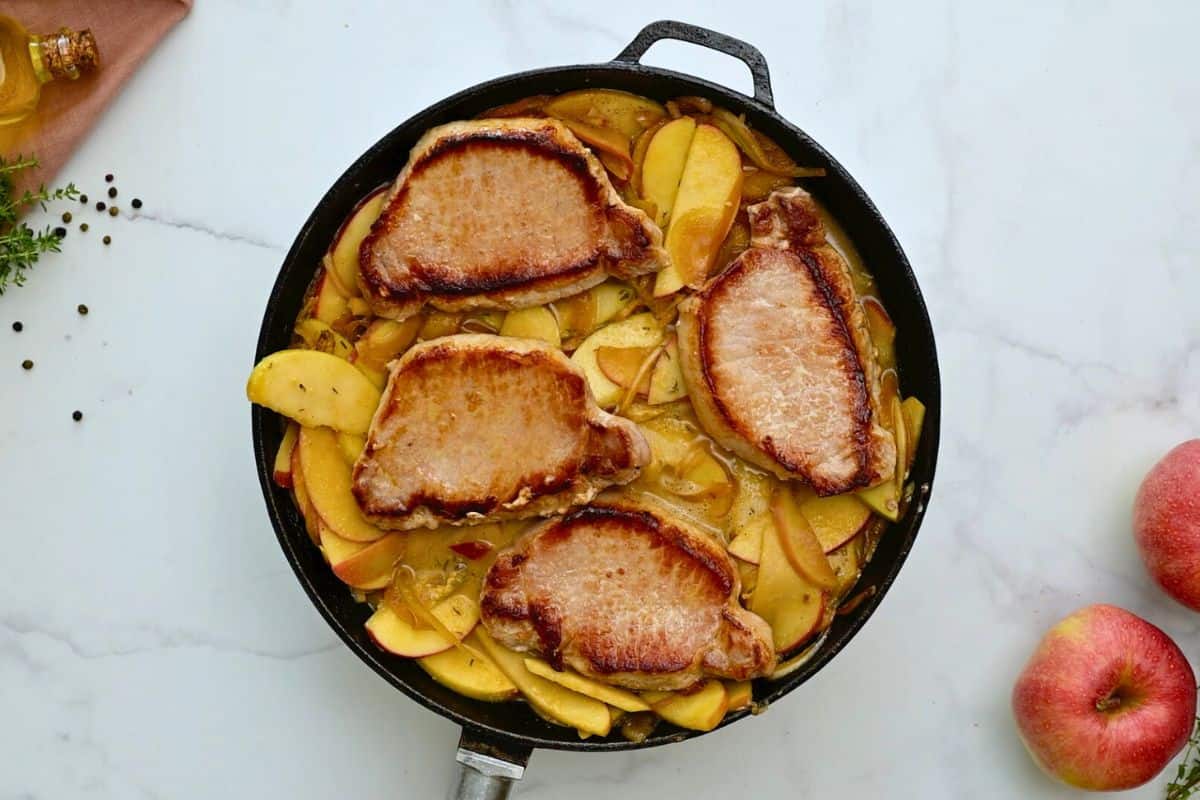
pixel 126 31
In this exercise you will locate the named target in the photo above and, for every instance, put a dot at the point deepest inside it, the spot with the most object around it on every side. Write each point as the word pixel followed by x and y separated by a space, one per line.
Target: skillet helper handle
pixel 487 769
pixel 747 53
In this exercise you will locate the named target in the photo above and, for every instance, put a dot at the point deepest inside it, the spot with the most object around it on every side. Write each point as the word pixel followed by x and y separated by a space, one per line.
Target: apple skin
pixel 1166 523
pixel 1105 656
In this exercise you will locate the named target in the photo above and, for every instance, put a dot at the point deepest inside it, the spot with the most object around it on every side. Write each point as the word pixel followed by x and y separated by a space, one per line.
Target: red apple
pixel 1166 523
pixel 1106 700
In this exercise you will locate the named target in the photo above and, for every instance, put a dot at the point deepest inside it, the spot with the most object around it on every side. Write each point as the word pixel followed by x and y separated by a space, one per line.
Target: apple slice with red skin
pixel 391 631
pixel 343 255
pixel 1106 701
pixel 362 565
pixel 799 543
pixel 790 603
pixel 835 519
pixel 473 550
pixel 282 472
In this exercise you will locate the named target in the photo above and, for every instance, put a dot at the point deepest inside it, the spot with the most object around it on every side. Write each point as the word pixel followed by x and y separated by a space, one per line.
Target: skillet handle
pixel 487 768
pixel 748 54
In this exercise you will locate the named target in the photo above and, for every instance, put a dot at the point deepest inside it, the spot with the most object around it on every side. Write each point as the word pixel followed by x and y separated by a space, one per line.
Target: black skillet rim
pixel 265 424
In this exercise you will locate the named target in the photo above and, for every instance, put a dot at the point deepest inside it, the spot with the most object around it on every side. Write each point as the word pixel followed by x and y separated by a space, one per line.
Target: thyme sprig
pixel 20 245
pixel 1187 775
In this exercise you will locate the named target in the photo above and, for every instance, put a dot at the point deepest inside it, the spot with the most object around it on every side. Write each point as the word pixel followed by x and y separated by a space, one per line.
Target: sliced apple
pixel 316 335
pixel 704 209
pixel 913 412
pixel 384 339
pixel 391 631
pixel 763 153
pixel 741 694
pixel 883 332
pixel 790 603
pixel 757 184
pixel 612 695
pixel 351 445
pixel 312 523
pixel 470 672
pixel 329 304
pixel 363 565
pixel 439 323
pixel 559 703
pixel 315 389
pixel 666 381
pixel 700 710
pixel 328 481
pixel 624 365
pixel 282 472
pixel 474 549
pixel 532 323
pixel 611 298
pixel 640 330
pixel 665 158
pixel 349 239
pixel 627 113
pixel 576 315
pixel 483 322
pixel 611 146
pixel 747 543
pixel 885 497
pixel 799 543
pixel 835 520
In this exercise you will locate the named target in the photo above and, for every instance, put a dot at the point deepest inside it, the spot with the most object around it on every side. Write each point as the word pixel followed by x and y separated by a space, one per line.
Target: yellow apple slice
pixel 470 672
pixel 576 315
pixel 384 339
pixel 623 365
pixel 315 389
pixel 532 323
pixel 349 239
pixel 913 412
pixel 608 108
pixel 883 332
pixel 666 381
pixel 885 498
pixel 351 445
pixel 612 695
pixel 757 184
pixel 611 298
pixel 747 543
pixel 665 158
pixel 282 472
pixel 741 694
pixel 640 330
pixel 312 523
pixel 799 543
pixel 705 206
pixel 700 710
pixel 458 613
pixel 316 335
pixel 327 480
pixel 835 520
pixel 363 565
pixel 790 603
pixel 559 703
pixel 328 303
pixel 611 145
pixel 439 323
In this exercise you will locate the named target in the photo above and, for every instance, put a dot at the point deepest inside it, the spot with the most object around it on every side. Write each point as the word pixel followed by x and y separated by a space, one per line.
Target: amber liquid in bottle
pixel 27 62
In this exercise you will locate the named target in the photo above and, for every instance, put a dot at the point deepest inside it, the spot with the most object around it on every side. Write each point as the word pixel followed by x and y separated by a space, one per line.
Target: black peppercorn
pixel 27 364
pixel 112 191
pixel 77 415
pixel 108 240
pixel 66 217
pixel 60 232
pixel 113 211
pixel 82 309
pixel 83 199
pixel 101 205
pixel 108 178
pixel 137 203
pixel 18 327
pixel 83 227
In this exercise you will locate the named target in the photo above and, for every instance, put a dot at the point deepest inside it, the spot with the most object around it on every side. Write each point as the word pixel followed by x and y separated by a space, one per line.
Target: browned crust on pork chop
pixel 501 213
pixel 778 362
pixel 624 595
pixel 475 427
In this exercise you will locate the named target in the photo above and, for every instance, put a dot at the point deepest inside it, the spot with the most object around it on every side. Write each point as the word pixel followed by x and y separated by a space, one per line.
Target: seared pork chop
pixel 777 358
pixel 626 596
pixel 501 213
pixel 475 427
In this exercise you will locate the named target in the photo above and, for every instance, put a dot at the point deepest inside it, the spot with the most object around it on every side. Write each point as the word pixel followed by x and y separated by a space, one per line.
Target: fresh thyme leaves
pixel 1187 775
pixel 20 245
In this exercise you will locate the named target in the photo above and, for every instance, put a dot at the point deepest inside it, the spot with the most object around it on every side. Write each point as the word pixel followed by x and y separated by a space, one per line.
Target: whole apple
pixel 1166 523
pixel 1106 700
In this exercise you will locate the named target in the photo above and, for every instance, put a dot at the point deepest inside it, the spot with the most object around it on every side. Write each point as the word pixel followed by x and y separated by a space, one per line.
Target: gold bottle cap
pixel 68 53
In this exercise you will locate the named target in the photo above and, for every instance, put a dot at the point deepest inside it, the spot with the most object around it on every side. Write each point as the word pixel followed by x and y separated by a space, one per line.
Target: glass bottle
pixel 28 61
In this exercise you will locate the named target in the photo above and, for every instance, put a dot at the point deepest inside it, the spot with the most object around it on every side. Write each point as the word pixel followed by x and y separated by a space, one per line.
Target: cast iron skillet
pixel 498 738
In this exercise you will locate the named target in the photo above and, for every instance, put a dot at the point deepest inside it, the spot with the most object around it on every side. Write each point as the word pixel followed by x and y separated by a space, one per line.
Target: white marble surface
pixel 1040 164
